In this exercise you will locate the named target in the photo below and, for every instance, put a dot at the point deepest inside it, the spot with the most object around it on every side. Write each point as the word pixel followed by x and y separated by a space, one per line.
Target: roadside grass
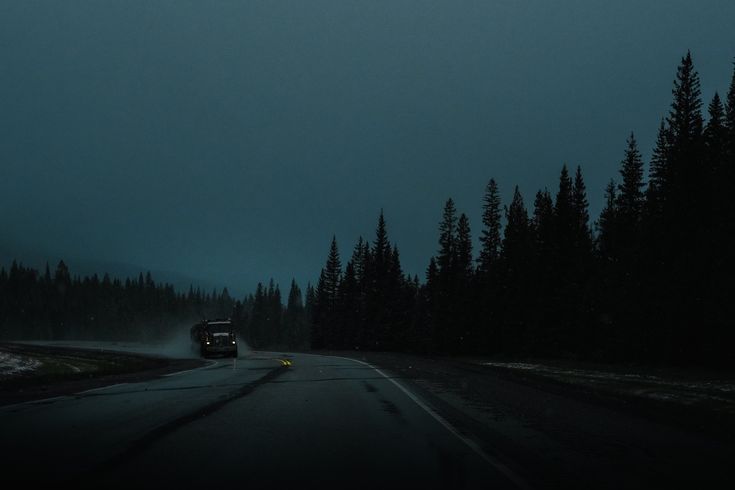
pixel 711 389
pixel 50 366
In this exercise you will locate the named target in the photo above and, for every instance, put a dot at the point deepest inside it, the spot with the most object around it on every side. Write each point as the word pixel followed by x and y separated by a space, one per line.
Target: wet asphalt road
pixel 323 422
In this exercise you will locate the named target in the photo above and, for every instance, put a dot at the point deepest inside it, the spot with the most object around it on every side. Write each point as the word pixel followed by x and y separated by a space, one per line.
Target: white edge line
pixel 33 402
pixel 502 468
pixel 46 400
pixel 99 389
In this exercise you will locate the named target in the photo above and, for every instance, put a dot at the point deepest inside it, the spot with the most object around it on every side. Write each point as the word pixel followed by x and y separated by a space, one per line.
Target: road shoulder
pixel 60 371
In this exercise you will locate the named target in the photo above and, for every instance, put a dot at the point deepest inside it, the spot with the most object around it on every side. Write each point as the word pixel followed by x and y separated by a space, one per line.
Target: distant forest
pixel 57 306
pixel 650 281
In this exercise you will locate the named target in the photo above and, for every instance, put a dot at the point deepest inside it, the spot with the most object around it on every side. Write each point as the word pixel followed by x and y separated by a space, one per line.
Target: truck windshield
pixel 219 327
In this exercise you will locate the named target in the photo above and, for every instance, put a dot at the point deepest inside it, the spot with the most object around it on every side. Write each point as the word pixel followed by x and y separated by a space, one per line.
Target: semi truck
pixel 214 337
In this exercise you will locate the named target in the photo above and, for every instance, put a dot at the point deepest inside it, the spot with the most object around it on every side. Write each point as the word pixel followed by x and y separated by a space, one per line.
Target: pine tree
pixel 305 336
pixel 659 178
pixel 715 133
pixel 680 271
pixel 275 317
pixel 727 171
pixel 325 316
pixel 293 320
pixel 516 240
pixel 349 308
pixel 717 235
pixel 631 197
pixel 543 224
pixel 608 224
pixel 515 252
pixel 256 328
pixel 399 304
pixel 377 259
pixel 466 328
pixel 332 274
pixel 320 315
pixel 583 236
pixel 730 122
pixel 443 305
pixel 463 250
pixel 687 192
pixel 358 260
pixel 717 180
pixel 685 116
pixel 381 246
pixel 490 236
pixel 564 214
pixel 447 238
pixel 432 274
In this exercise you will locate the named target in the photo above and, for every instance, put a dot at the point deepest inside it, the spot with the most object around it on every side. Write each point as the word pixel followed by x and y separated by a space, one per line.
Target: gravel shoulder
pixel 32 372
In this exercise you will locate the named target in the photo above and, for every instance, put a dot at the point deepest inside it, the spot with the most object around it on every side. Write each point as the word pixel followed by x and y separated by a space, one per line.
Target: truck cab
pixel 214 337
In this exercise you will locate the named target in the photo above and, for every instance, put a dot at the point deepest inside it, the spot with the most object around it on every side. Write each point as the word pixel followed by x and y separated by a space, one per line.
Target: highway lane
pixel 322 422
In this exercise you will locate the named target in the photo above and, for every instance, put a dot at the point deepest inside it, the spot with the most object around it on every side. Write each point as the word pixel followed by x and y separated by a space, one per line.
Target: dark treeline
pixel 55 305
pixel 264 322
pixel 649 281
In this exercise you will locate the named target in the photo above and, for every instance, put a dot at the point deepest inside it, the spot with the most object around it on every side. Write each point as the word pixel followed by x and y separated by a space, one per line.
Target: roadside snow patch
pixel 11 364
pixel 644 385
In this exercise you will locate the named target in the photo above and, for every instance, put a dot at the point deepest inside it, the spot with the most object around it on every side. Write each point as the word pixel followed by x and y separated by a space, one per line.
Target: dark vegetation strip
pixel 109 367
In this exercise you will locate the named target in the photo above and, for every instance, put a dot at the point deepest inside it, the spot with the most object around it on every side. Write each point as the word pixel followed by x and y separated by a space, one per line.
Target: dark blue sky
pixel 228 140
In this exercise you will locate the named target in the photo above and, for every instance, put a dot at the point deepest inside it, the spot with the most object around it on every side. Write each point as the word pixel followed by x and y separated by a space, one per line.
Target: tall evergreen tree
pixel 730 121
pixel 320 313
pixel 466 328
pixel 349 309
pixel 325 328
pixel 631 197
pixel 463 250
pixel 381 246
pixel 543 224
pixel 607 226
pixel 443 306
pixel 516 239
pixel 715 132
pixel 583 236
pixel 294 317
pixel 659 179
pixel 515 251
pixel 447 238
pixel 359 259
pixel 685 116
pixel 565 217
pixel 685 125
pixel 332 274
pixel 718 178
pixel 490 236
pixel 680 269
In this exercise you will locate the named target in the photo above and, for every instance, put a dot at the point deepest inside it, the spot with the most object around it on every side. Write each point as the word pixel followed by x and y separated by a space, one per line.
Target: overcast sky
pixel 228 140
